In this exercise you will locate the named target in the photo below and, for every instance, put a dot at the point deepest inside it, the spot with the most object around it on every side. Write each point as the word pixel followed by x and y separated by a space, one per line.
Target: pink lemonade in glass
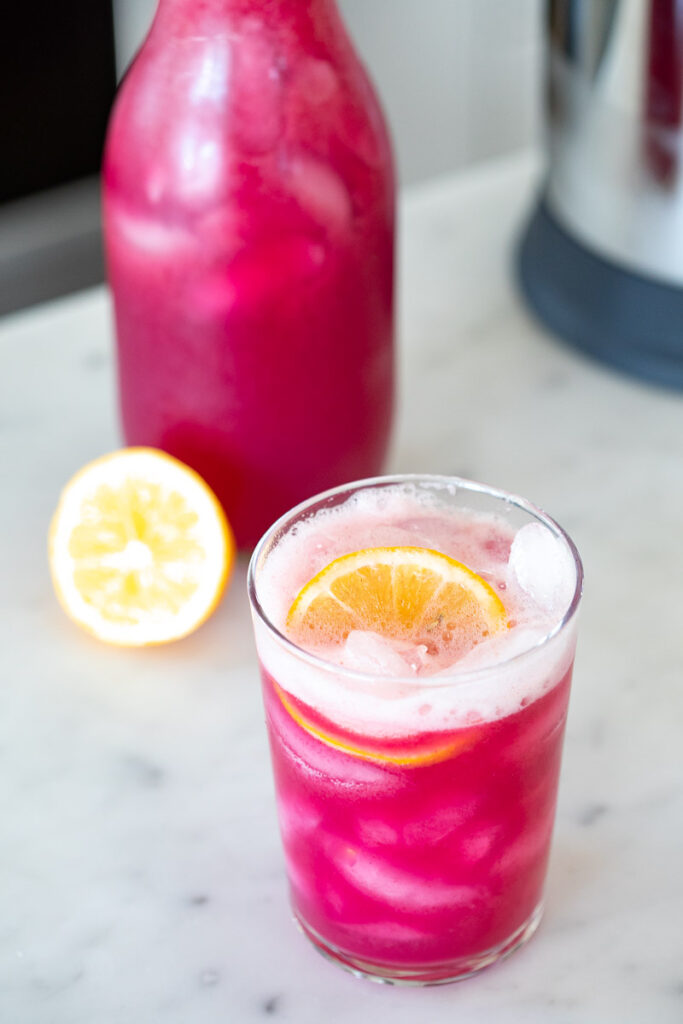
pixel 416 784
pixel 249 226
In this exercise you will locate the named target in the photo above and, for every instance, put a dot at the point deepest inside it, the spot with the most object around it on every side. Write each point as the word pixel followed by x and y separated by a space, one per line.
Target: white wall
pixel 131 21
pixel 459 78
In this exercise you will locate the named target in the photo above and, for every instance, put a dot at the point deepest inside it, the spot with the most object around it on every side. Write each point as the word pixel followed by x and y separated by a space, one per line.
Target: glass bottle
pixel 249 229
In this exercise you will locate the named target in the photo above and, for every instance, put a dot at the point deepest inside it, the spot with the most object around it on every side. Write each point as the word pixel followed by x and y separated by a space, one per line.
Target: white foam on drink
pixel 389 690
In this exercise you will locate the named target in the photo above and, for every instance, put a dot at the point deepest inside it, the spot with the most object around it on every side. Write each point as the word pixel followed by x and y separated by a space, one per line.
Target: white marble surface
pixel 140 872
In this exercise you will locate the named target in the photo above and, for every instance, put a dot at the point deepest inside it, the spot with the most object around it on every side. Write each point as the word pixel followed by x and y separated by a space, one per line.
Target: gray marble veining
pixel 140 872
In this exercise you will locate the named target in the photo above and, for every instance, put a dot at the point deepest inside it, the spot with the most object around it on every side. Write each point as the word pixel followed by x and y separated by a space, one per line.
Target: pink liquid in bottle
pixel 249 224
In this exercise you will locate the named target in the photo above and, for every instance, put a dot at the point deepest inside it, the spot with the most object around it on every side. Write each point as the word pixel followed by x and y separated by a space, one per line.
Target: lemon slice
pixel 413 595
pixel 426 752
pixel 139 548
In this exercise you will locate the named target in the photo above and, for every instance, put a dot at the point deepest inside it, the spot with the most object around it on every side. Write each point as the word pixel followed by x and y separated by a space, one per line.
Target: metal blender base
pixel 612 314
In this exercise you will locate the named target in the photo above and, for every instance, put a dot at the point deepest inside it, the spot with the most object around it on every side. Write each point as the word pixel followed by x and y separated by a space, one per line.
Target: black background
pixel 57 83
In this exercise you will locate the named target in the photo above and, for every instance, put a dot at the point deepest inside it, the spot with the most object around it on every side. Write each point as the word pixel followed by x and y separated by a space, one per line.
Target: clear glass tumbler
pixel 416 811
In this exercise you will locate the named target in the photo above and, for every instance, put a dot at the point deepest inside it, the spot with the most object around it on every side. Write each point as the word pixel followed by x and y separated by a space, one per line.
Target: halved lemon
pixel 140 550
pixel 414 595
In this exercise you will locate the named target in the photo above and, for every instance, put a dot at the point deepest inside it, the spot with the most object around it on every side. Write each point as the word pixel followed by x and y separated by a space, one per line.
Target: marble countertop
pixel 141 878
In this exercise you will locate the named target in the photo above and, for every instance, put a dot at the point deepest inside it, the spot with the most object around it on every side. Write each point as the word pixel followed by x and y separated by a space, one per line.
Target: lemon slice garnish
pixel 415 595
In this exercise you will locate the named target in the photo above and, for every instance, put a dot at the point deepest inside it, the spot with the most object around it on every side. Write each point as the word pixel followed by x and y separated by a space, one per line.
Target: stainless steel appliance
pixel 601 261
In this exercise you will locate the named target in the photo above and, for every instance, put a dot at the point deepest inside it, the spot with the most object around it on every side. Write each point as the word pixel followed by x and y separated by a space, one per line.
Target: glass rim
pixel 436 480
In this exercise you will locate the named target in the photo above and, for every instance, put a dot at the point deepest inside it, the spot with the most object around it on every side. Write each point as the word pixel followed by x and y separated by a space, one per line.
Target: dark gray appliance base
pixel 616 316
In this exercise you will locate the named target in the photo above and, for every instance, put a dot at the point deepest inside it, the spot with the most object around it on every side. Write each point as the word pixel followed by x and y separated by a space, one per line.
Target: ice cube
pixel 213 295
pixel 375 832
pixel 154 238
pixel 297 819
pixel 300 881
pixel 479 844
pixel 518 854
pixel 368 652
pixel 542 566
pixel 389 935
pixel 439 822
pixel 499 648
pixel 316 81
pixel 257 92
pixel 220 231
pixel 326 771
pixel 378 878
pixel 416 657
pixel 255 277
pixel 320 192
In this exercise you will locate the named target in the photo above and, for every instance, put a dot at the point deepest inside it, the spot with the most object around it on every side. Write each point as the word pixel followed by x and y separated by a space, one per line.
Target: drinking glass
pixel 423 868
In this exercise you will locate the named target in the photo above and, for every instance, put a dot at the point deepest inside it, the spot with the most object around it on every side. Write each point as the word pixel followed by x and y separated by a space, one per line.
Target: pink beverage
pixel 249 224
pixel 416 786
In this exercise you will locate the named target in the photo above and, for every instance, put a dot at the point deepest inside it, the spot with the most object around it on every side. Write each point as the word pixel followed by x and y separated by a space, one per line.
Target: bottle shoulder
pixel 243 99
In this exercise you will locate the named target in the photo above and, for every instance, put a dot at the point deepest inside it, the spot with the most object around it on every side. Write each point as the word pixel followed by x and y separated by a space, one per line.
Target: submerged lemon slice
pixel 140 550
pixel 411 595
pixel 407 594
pixel 406 756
